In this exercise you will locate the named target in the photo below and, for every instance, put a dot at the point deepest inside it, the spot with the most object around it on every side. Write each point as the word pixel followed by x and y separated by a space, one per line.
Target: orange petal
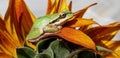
pixel 77 37
pixel 49 6
pixel 18 6
pixel 15 9
pixel 5 55
pixel 55 7
pixel 80 13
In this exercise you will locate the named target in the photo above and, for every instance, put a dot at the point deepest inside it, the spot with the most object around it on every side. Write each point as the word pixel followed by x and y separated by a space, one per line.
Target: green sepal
pixel 25 52
pixel 44 44
pixel 42 56
pixel 57 50
pixel 100 48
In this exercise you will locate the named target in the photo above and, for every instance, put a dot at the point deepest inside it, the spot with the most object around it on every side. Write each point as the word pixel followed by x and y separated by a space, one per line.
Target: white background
pixel 105 12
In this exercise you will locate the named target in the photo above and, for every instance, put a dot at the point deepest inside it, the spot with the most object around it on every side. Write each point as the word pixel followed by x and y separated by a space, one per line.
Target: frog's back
pixel 36 29
pixel 39 24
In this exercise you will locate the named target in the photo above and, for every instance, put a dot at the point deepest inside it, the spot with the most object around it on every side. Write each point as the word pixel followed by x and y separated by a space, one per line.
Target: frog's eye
pixel 62 15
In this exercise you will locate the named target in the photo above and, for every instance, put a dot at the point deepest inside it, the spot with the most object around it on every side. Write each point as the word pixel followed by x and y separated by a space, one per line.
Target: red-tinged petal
pixel 74 21
pixel 12 32
pixel 16 17
pixel 7 18
pixel 81 12
pixel 109 37
pixel 26 17
pixel 2 24
pixel 106 32
pixel 70 6
pixel 8 43
pixel 77 37
pixel 12 18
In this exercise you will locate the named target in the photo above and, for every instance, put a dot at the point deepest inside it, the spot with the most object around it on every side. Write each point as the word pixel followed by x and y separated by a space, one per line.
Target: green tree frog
pixel 48 24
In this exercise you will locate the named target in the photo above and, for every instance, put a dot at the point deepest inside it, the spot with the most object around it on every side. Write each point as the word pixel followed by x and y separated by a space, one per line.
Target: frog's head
pixel 64 16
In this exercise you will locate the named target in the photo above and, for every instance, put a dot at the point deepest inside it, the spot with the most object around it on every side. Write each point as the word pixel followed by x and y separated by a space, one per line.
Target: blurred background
pixel 105 12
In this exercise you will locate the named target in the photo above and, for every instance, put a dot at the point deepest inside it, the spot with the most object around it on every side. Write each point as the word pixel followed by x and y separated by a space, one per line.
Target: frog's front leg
pixel 49 30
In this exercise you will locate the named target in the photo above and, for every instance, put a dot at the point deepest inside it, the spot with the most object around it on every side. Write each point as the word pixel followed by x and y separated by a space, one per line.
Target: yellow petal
pixel 80 22
pixel 77 37
pixel 56 6
pixel 31 45
pixel 63 5
pixel 112 44
pixel 115 46
pixel 0 16
pixel 84 28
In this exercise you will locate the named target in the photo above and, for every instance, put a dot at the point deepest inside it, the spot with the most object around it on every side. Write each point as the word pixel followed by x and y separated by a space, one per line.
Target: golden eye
pixel 63 15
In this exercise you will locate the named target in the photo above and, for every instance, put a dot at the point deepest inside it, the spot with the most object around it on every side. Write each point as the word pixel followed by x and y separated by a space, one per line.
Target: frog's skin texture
pixel 48 24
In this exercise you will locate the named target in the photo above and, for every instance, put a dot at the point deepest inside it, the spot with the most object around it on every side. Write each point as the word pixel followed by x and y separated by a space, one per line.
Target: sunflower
pixel 77 31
